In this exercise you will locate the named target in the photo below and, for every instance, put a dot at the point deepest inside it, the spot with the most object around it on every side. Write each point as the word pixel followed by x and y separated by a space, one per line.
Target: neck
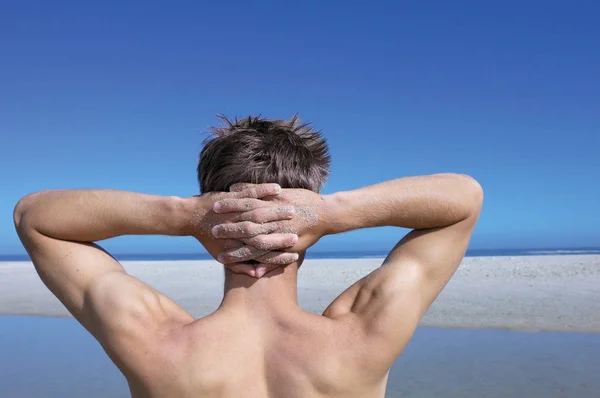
pixel 275 292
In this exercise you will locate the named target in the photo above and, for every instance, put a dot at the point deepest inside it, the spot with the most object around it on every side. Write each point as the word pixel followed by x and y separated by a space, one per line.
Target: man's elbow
pixel 20 211
pixel 473 195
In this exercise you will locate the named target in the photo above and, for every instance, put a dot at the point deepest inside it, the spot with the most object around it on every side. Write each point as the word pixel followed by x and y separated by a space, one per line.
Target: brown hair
pixel 259 150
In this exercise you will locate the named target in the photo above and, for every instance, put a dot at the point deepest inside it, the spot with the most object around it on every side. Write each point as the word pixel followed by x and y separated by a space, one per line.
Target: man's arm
pixel 58 228
pixel 442 210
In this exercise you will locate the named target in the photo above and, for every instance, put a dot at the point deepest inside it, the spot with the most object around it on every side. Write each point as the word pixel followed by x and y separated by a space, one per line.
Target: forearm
pixel 421 202
pixel 93 215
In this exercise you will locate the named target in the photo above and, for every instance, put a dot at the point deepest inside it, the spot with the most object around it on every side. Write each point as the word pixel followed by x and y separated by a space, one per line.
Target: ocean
pixel 336 254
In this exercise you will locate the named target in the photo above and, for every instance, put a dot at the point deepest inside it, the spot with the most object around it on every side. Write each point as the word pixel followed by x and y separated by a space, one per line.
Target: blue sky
pixel 116 95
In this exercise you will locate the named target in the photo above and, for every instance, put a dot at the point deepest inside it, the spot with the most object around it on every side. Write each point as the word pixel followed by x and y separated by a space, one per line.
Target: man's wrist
pixel 184 214
pixel 335 221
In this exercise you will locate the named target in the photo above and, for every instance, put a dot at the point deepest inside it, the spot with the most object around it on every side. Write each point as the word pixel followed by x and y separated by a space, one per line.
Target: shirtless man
pixel 258 343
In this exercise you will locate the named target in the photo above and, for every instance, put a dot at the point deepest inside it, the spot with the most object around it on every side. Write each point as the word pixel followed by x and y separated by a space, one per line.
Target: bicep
pixel 390 301
pixel 118 309
pixel 68 269
pixel 436 253
pixel 383 308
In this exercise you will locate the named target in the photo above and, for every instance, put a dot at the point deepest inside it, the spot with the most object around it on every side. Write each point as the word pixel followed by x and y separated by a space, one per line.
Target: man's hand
pixel 308 223
pixel 262 251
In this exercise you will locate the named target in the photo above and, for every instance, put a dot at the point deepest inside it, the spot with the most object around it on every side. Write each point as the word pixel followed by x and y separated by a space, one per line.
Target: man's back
pixel 235 353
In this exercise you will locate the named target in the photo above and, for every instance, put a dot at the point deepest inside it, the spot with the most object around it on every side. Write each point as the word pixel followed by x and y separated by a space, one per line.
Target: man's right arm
pixel 442 211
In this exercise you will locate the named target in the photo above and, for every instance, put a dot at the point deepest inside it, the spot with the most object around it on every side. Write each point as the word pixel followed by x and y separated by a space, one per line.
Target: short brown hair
pixel 259 150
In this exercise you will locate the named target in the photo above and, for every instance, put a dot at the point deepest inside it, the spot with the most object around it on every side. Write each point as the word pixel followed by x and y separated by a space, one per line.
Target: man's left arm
pixel 58 229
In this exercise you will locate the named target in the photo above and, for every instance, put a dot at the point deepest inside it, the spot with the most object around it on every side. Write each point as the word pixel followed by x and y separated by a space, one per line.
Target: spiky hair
pixel 259 150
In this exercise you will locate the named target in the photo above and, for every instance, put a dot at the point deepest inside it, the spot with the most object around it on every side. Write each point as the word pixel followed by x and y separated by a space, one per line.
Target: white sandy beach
pixel 552 293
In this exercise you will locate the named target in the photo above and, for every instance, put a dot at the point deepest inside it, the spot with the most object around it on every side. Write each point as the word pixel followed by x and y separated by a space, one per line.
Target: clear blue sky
pixel 116 95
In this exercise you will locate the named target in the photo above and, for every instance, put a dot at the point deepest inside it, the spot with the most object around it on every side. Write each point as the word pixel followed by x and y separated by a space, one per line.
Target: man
pixel 258 343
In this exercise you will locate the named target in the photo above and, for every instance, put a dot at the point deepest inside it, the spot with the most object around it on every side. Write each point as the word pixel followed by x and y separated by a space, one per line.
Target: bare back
pixel 232 354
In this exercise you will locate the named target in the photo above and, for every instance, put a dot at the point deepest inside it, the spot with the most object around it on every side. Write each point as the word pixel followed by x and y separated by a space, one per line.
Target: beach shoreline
pixel 521 293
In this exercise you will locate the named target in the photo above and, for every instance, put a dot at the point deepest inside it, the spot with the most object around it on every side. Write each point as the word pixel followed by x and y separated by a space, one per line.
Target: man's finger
pixel 255 271
pixel 242 268
pixel 272 241
pixel 240 186
pixel 261 269
pixel 246 229
pixel 278 258
pixel 258 191
pixel 239 255
pixel 269 214
pixel 232 244
pixel 236 205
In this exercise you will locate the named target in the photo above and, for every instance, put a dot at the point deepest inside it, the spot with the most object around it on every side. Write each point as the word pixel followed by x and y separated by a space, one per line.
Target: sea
pixel 338 254
pixel 56 358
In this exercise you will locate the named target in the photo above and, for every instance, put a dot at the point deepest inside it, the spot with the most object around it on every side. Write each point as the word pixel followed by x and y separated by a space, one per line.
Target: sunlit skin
pixel 258 343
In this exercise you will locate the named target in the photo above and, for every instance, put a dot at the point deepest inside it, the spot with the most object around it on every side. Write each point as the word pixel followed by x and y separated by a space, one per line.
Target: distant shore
pixel 530 293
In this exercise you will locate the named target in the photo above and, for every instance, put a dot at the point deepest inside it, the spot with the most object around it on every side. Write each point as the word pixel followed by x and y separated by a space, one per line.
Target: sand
pixel 529 293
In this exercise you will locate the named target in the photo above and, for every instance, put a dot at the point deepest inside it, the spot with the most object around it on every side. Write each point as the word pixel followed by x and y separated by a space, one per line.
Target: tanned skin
pixel 258 343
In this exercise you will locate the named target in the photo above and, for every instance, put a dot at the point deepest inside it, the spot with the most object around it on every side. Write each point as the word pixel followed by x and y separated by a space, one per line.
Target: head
pixel 259 150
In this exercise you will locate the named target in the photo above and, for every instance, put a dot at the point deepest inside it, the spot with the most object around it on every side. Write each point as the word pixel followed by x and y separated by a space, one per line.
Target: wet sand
pixel 530 293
